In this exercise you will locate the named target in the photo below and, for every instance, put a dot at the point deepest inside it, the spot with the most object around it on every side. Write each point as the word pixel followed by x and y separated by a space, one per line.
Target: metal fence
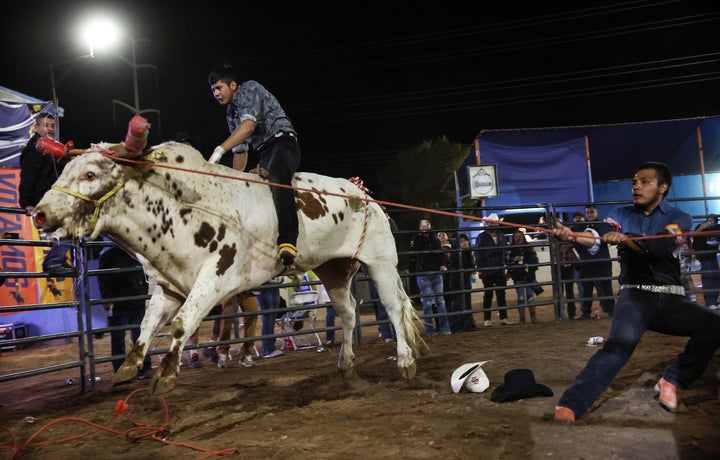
pixel 86 334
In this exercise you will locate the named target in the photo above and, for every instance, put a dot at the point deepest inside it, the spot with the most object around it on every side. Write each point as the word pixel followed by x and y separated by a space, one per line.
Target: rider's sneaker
pixel 246 360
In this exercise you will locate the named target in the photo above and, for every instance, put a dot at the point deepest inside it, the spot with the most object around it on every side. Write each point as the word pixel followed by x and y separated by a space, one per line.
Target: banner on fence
pixel 25 291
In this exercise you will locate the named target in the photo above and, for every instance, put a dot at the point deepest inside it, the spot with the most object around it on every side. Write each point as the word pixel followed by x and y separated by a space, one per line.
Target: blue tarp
pixel 17 117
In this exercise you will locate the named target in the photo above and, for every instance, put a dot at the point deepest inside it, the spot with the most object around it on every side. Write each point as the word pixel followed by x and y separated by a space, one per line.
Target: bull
pixel 204 232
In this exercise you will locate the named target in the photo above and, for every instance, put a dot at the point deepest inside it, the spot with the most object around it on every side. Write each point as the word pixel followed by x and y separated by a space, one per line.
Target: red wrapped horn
pixel 138 130
pixel 51 147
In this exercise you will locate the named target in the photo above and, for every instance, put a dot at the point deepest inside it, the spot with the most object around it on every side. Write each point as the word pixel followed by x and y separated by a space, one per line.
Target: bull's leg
pixel 401 313
pixel 202 298
pixel 336 276
pixel 159 311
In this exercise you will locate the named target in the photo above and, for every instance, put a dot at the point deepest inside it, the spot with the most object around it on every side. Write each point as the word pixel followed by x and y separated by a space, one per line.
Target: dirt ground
pixel 297 406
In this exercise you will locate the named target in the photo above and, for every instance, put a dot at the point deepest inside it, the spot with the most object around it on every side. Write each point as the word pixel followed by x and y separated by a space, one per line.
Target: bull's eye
pixel 89 175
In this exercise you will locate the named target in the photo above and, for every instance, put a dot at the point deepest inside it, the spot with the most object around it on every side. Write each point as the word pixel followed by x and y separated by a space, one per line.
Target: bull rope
pixel 359 184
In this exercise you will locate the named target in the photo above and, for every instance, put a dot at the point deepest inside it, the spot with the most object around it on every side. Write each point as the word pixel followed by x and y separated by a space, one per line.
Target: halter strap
pixel 97 203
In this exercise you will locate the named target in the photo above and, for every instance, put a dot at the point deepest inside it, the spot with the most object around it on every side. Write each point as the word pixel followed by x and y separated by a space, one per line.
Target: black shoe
pixel 60 270
pixel 584 317
pixel 146 374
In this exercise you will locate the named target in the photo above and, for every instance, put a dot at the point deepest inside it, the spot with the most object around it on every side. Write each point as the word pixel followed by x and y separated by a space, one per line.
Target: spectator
pixel 447 252
pixel 460 268
pixel 523 265
pixel 706 251
pixel 269 299
pixel 689 265
pixel 221 327
pixel 38 173
pixel 428 262
pixel 650 297
pixel 596 266
pixel 577 218
pixel 568 262
pixel 123 313
pixel 490 260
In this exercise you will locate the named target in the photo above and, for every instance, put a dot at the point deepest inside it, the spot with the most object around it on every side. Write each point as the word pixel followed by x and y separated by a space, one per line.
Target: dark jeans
pixel 603 288
pixel 268 299
pixel 57 255
pixel 281 158
pixel 494 280
pixel 637 311
pixel 125 317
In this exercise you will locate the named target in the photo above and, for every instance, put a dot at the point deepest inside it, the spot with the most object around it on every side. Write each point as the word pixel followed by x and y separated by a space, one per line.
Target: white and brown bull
pixel 205 232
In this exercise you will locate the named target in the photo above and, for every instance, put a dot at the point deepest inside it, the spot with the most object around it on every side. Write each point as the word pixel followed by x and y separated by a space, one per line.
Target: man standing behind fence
pixel 596 266
pixel 706 251
pixel 490 260
pixel 428 261
pixel 126 312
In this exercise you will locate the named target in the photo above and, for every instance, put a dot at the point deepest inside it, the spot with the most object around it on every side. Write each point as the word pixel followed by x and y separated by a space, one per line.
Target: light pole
pixel 135 66
pixel 100 34
pixel 54 83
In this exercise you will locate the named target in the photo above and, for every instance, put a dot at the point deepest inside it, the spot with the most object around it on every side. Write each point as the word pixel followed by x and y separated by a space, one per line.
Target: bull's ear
pixel 120 151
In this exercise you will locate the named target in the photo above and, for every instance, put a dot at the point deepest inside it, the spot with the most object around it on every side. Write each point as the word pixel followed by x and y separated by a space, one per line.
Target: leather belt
pixel 274 138
pixel 666 289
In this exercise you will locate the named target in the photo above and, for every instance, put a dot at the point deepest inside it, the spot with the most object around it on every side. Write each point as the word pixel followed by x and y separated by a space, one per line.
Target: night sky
pixel 363 82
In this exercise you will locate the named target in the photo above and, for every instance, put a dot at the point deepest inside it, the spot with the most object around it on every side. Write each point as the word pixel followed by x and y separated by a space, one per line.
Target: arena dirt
pixel 297 406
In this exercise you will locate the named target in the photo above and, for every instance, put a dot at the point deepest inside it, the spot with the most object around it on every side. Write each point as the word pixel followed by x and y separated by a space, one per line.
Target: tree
pixel 419 177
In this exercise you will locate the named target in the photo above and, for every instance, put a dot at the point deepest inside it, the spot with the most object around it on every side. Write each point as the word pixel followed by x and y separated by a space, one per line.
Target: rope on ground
pixel 138 431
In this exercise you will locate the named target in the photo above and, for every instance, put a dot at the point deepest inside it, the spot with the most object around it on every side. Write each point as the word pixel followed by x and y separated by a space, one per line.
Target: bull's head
pixel 71 209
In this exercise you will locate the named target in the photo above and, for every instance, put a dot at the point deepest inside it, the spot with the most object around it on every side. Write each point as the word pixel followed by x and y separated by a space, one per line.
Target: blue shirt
pixel 659 262
pixel 252 101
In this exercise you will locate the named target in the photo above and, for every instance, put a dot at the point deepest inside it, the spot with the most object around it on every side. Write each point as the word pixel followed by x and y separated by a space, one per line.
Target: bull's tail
pixel 410 321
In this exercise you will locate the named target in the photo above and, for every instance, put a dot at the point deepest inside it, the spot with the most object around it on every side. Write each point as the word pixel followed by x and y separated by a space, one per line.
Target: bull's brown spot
pixel 213 246
pixel 227 258
pixel 204 235
pixel 183 213
pixel 221 232
pixel 341 216
pixel 167 227
pixel 313 205
pixel 335 218
pixel 168 177
pixel 180 159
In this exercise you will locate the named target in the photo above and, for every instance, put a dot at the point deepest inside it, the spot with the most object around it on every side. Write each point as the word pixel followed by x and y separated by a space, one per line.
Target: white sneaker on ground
pixel 487 323
pixel 224 360
pixel 712 307
pixel 505 322
pixel 274 354
pixel 246 360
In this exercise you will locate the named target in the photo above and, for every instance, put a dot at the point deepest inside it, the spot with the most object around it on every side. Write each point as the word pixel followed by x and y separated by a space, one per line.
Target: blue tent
pixel 17 116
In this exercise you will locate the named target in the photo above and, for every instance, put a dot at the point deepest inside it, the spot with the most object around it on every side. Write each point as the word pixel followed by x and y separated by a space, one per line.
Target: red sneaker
pixel 668 394
pixel 563 414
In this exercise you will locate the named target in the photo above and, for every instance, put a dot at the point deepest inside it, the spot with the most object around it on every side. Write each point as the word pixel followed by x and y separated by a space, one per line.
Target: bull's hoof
pixel 409 372
pixel 346 373
pixel 125 374
pixel 161 385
